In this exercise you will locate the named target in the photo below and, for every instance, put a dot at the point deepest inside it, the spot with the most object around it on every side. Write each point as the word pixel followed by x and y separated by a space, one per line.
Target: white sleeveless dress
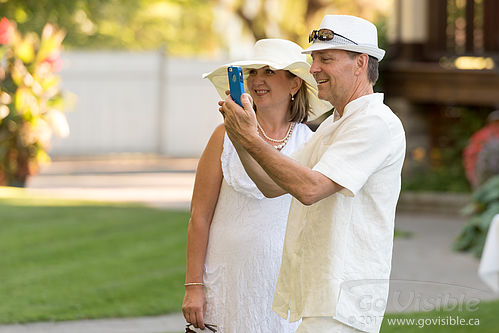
pixel 244 251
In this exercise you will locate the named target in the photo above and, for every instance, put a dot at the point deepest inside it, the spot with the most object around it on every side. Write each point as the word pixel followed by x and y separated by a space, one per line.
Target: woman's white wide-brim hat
pixel 362 32
pixel 277 54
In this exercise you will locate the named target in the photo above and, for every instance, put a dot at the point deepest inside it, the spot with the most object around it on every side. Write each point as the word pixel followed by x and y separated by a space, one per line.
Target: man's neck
pixel 357 93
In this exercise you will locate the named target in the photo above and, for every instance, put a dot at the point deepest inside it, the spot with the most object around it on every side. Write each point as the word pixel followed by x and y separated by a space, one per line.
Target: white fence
pixel 137 103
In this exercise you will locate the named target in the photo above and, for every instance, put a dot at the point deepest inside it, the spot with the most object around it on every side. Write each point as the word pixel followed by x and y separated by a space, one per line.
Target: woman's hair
pixel 300 107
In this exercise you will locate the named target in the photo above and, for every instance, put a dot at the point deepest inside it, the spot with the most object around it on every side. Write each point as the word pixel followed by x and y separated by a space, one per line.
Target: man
pixel 345 182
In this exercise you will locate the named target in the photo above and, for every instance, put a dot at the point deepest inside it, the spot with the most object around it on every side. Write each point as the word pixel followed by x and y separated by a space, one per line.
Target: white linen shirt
pixel 337 252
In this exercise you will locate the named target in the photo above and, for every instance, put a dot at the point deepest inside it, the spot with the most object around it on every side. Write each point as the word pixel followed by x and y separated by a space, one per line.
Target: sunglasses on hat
pixel 325 35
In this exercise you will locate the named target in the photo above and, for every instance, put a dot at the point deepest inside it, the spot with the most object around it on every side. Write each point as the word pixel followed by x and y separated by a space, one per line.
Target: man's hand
pixel 240 123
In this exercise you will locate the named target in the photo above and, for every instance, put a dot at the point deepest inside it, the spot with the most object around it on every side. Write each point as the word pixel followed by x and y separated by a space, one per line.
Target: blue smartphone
pixel 236 83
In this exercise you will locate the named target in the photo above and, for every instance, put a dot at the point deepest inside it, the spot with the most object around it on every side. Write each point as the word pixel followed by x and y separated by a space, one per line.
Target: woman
pixel 235 234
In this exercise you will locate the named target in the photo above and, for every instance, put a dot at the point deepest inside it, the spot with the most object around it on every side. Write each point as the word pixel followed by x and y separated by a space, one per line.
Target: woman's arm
pixel 204 200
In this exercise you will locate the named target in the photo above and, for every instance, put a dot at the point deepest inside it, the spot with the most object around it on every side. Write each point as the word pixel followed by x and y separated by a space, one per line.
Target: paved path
pixel 169 323
pixel 154 181
pixel 423 263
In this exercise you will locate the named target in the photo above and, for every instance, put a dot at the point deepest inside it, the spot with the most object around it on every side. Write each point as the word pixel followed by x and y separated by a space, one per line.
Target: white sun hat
pixel 351 34
pixel 277 54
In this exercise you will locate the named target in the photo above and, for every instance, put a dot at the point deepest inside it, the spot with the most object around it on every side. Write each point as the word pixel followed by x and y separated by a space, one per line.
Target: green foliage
pixel 66 260
pixel 295 19
pixel 401 233
pixel 443 169
pixel 382 26
pixel 447 178
pixel 185 26
pixel 483 207
pixel 31 103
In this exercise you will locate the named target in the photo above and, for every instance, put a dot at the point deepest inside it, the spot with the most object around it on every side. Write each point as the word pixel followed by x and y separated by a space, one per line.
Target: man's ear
pixel 361 63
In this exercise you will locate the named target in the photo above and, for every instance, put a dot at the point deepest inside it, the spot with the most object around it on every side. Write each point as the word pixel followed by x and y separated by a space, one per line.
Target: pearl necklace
pixel 280 142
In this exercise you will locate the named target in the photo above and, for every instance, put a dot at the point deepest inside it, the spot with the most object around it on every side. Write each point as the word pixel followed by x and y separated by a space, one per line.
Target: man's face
pixel 334 72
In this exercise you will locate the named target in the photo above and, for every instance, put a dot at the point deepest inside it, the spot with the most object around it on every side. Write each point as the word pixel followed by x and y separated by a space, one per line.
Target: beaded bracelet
pixel 194 284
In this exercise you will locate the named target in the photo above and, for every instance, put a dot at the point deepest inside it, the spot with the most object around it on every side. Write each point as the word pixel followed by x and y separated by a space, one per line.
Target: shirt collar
pixel 361 102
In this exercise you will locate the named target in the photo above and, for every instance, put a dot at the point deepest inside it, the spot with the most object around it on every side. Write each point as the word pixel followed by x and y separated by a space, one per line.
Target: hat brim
pixel 362 48
pixel 220 80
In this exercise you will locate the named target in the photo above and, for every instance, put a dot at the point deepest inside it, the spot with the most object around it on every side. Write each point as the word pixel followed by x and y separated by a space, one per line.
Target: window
pixel 463 27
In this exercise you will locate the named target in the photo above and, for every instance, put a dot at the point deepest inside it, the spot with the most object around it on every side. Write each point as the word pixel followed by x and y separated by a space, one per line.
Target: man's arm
pixel 265 184
pixel 305 184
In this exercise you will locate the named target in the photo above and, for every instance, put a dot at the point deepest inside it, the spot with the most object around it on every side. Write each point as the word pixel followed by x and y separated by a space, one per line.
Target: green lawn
pixel 62 259
pixel 487 314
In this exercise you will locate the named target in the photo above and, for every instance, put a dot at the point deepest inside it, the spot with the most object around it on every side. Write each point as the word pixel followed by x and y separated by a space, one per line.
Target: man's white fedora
pixel 351 34
pixel 277 54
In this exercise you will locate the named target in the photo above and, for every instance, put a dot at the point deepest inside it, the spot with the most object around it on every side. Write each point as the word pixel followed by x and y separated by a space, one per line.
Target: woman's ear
pixel 296 83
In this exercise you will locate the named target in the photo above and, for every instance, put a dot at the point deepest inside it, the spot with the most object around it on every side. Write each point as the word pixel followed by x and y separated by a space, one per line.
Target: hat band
pixel 325 35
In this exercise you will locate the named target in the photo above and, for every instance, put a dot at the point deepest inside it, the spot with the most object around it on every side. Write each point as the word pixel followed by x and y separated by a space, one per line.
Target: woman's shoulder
pixel 215 144
pixel 303 127
pixel 219 131
pixel 303 131
pixel 301 134
pixel 217 137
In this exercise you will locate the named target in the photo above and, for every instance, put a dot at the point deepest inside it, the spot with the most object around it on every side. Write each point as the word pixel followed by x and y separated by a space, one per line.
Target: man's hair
pixel 372 67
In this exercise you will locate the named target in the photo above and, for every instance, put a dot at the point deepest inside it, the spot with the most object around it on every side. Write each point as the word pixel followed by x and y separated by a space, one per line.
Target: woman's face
pixel 271 88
